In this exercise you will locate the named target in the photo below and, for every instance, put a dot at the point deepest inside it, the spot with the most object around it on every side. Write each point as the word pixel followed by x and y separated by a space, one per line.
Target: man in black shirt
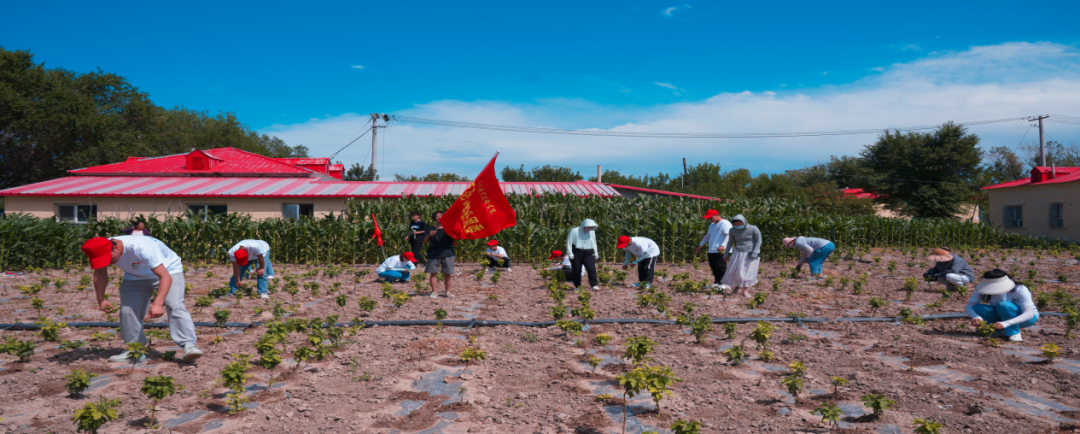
pixel 417 230
pixel 440 255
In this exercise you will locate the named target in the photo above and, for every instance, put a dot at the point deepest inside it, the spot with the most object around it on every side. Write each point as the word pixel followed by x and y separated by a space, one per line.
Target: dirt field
pixel 535 379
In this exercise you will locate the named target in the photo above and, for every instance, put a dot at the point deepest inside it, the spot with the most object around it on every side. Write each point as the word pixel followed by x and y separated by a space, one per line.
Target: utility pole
pixel 374 146
pixel 1042 145
pixel 685 174
pixel 598 174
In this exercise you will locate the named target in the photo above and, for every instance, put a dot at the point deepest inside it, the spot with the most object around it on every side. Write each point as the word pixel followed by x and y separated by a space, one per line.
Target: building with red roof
pixel 232 180
pixel 1040 205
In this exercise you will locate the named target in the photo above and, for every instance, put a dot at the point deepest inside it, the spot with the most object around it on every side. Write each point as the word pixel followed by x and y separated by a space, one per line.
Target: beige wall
pixel 125 207
pixel 1036 200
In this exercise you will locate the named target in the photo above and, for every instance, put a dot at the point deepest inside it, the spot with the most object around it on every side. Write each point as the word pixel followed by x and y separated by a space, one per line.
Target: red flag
pixel 378 232
pixel 481 211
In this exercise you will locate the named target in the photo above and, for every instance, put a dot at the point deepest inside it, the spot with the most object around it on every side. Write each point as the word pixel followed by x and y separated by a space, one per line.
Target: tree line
pixel 53 120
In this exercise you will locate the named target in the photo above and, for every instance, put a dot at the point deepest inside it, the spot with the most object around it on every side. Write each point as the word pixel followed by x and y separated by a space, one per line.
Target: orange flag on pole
pixel 481 211
pixel 378 232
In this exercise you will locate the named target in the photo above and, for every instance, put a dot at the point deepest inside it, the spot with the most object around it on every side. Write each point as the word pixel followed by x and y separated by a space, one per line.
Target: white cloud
pixel 911 47
pixel 357 67
pixel 988 82
pixel 878 69
pixel 667 85
pixel 671 10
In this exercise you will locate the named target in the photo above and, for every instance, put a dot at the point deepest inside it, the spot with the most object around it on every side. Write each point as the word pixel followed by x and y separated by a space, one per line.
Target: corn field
pixel 543 221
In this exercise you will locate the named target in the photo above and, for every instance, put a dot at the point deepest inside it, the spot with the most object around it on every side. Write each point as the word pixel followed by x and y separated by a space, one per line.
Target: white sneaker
pixel 191 352
pixel 269 277
pixel 508 269
pixel 1016 338
pixel 434 294
pixel 264 296
pixel 715 286
pixel 596 288
pixel 449 295
pixel 123 357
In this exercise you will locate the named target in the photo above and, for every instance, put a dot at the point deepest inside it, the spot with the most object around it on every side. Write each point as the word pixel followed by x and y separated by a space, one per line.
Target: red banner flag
pixel 481 211
pixel 378 232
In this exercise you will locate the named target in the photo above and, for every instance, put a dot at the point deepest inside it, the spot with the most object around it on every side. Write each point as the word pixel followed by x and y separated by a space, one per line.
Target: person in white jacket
pixel 1003 302
pixel 646 251
pixel 495 256
pixel 715 239
pixel 583 252
pixel 395 269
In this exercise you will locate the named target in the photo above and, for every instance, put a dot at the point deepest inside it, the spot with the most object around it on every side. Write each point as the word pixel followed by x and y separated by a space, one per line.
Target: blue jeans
pixel 818 258
pixel 391 276
pixel 1004 311
pixel 261 281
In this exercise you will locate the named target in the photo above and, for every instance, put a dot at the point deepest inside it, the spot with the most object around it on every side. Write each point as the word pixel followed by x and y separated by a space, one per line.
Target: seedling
pixel 495 277
pixel 638 349
pixel 602 339
pixel 221 316
pixel 878 403
pixel 50 330
pixel 367 304
pixel 829 413
pixel 313 287
pixel 93 415
pixel 910 285
pixel 927 426
pixel 157 388
pixel 479 275
pixel 558 311
pixel 71 345
pixel 136 351
pixel 891 267
pixel 828 282
pixel 341 300
pixel 1050 351
pixel 570 327
pixel 685 427
pixel 877 303
pixel 659 380
pixel 985 329
pixel 60 283
pixel 78 381
pixel 632 383
pixel 761 334
pixel 234 376
pixel 470 355
pixel 731 329
pixel 37 303
pixel 399 299
pixel 857 287
pixel 758 299
pixel 204 301
pixel 735 355
pixel 794 384
pixel 837 383
pixel 700 326
pixel 798 368
pixel 594 362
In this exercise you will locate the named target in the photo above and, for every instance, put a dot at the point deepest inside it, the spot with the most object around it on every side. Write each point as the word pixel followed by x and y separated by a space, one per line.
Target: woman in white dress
pixel 743 253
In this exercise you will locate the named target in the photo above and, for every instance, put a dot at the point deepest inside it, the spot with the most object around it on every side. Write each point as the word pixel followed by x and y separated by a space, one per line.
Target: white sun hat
pixel 995 286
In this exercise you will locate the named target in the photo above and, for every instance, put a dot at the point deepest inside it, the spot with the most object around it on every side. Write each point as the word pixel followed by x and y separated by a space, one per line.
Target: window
pixel 208 210
pixel 1014 216
pixel 75 213
pixel 297 210
pixel 1057 215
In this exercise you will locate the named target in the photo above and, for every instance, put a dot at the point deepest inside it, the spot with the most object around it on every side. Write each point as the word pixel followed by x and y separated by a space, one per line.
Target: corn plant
pixel 78 381
pixel 927 426
pixel 877 403
pixel 93 415
pixel 157 388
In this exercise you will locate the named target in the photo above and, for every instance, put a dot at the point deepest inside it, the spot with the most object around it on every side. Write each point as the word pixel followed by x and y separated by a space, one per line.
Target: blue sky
pixel 310 73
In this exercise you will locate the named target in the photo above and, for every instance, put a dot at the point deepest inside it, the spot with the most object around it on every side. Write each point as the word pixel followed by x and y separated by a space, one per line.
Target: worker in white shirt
pixel 583 252
pixel 242 255
pixel 495 256
pixel 715 239
pixel 646 251
pixel 396 268
pixel 563 264
pixel 1003 302
pixel 149 266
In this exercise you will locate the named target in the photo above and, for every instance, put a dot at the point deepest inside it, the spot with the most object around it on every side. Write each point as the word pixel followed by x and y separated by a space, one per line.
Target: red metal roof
pixel 1043 175
pixel 230 162
pixel 186 186
pixel 859 193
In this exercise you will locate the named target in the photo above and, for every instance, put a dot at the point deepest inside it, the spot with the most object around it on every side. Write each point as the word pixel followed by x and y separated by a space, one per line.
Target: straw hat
pixel 940 255
pixel 789 242
pixel 995 286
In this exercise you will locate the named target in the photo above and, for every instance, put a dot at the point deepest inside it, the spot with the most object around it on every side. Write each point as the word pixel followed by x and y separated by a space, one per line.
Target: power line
pixel 638 134
pixel 347 145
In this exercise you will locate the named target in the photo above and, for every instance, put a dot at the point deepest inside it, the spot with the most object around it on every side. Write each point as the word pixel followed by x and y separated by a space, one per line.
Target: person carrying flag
pixel 440 256
pixel 495 256
pixel 396 268
pixel 715 238
pixel 646 251
pixel 242 255
pixel 149 265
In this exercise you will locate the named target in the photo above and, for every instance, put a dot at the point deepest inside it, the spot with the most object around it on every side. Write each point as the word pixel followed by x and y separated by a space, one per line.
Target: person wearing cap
pixel 1003 302
pixel 137 228
pixel 149 265
pixel 813 251
pixel 743 253
pixel 495 256
pixel 396 268
pixel 715 238
pixel 242 255
pixel 440 256
pixel 646 251
pixel 949 269
pixel 563 264
pixel 583 252
pixel 415 237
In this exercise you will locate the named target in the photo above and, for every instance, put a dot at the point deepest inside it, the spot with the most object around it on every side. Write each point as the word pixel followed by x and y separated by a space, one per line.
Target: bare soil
pixel 536 380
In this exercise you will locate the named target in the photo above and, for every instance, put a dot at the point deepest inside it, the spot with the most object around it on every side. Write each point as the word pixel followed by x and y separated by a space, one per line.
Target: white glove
pixel 596 255
pixel 570 255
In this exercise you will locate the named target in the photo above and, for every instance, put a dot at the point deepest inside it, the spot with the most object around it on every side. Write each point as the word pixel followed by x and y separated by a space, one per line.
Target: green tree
pixel 357 172
pixel 431 177
pixel 925 174
pixel 1003 165
pixel 545 173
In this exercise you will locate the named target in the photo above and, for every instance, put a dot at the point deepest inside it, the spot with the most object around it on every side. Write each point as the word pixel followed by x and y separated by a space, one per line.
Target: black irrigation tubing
pixel 468 324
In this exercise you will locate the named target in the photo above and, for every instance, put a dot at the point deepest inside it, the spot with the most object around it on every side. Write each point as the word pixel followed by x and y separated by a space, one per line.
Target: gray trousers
pixel 135 304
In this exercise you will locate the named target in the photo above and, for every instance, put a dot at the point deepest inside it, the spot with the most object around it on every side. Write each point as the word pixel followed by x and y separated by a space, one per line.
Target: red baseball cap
pixel 493 243
pixel 409 256
pixel 99 251
pixel 241 257
pixel 710 213
pixel 555 254
pixel 623 241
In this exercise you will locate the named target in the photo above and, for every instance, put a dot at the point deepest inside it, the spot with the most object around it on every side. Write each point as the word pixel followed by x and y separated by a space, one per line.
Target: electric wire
pixel 641 134
pixel 347 145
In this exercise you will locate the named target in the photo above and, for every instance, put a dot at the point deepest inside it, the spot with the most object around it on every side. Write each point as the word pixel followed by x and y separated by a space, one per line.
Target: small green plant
pixel 594 362
pixel 685 427
pixel 891 267
pixel 341 301
pixel 233 377
pixel 50 330
pixel 470 355
pixel 927 426
pixel 602 339
pixel 877 403
pixel 985 329
pixel 168 356
pixel 72 345
pixel 221 316
pixel 758 299
pixel 1050 351
pixel 877 303
pixel 857 287
pixel 658 380
pixel 700 326
pixel 157 388
pixel 910 285
pixel 399 299
pixel 101 337
pixel 93 415
pixel 367 304
pixel 730 329
pixel 632 383
pixel 204 301
pixel 495 277
pixel 313 287
pixel 136 351
pixel 794 384
pixel 638 349
pixel 531 338
pixel 735 355
pixel 78 381
pixel 829 413
pixel 837 383
pixel 37 303
pixel 569 326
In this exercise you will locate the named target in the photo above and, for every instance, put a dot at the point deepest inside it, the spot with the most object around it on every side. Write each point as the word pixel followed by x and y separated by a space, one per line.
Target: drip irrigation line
pixel 471 323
